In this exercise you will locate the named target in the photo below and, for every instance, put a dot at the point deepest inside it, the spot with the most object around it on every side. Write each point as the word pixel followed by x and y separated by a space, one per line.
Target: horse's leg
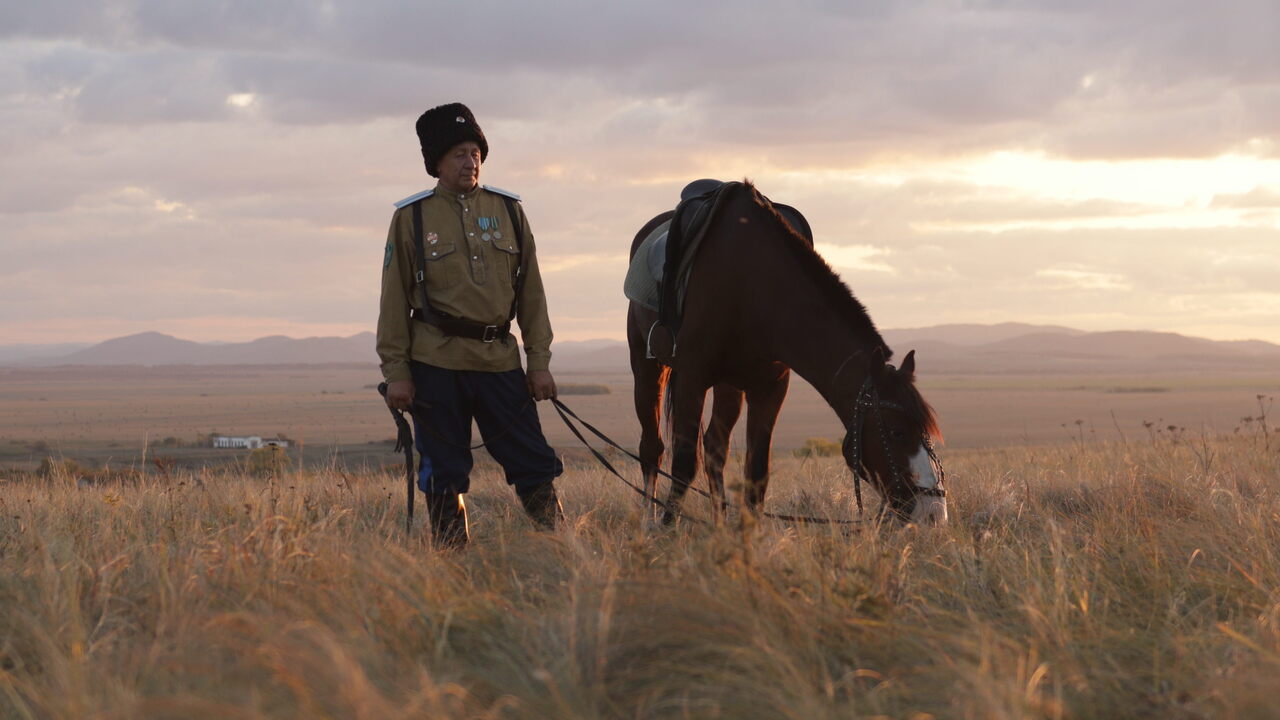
pixel 648 377
pixel 726 406
pixel 688 397
pixel 764 402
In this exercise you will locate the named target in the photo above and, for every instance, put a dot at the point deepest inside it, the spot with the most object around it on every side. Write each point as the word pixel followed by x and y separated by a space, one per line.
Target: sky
pixel 226 170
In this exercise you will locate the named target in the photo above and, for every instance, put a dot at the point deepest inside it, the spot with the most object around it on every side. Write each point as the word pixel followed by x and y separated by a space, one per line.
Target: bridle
pixel 868 402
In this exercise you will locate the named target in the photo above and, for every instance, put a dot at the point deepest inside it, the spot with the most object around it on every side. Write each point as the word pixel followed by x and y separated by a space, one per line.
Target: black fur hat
pixel 444 126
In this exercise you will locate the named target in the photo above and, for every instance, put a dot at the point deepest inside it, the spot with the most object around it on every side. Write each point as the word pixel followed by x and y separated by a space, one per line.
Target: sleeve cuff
pixel 539 361
pixel 396 372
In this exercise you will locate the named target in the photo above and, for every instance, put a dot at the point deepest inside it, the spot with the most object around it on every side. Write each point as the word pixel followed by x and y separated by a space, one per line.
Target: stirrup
pixel 648 343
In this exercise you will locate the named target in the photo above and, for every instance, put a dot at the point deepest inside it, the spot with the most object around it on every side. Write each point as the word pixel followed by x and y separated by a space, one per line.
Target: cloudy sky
pixel 224 170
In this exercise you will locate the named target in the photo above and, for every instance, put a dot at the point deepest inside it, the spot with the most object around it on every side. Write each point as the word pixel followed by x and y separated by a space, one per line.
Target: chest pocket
pixel 441 265
pixel 509 253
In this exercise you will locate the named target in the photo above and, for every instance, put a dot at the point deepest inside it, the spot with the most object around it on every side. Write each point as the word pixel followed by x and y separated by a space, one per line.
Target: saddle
pixel 659 271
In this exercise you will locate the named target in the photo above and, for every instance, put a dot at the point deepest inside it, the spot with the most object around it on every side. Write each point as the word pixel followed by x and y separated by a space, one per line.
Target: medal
pixel 486 237
pixel 433 238
pixel 483 223
pixel 497 235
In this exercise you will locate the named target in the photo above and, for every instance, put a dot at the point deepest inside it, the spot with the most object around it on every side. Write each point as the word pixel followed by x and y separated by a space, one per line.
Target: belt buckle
pixel 490 333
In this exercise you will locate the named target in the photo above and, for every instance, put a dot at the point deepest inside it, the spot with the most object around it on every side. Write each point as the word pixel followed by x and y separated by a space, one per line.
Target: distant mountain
pixel 605 356
pixel 1013 347
pixel 148 348
pixel 956 349
pixel 969 334
pixel 1076 351
pixel 153 348
pixel 36 353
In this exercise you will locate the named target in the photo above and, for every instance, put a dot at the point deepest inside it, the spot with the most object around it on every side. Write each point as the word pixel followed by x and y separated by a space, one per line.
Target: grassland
pixel 1084 580
pixel 107 415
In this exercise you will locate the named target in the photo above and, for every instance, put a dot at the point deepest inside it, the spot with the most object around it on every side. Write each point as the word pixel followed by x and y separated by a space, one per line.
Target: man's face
pixel 459 169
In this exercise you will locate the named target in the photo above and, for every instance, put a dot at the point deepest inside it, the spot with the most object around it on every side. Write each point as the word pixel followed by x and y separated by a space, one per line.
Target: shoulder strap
pixel 500 191
pixel 421 277
pixel 416 197
pixel 518 228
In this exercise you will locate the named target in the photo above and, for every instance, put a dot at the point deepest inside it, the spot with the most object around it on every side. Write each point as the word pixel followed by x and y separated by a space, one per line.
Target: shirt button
pixel 471 234
pixel 433 254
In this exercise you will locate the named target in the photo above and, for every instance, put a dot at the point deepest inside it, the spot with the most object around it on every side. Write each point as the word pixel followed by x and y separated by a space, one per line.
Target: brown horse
pixel 760 301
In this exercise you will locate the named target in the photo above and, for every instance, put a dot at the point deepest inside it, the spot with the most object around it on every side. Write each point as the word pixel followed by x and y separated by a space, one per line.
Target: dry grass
pixel 1074 582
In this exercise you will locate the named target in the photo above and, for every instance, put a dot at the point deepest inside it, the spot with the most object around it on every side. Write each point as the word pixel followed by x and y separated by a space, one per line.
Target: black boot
pixel 543 506
pixel 448 516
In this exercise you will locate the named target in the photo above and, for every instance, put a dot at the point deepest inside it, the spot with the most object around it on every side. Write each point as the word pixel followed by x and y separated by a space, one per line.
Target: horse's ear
pixel 909 365
pixel 879 358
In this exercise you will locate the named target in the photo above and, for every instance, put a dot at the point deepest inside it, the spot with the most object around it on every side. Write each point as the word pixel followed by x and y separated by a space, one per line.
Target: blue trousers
pixel 444 404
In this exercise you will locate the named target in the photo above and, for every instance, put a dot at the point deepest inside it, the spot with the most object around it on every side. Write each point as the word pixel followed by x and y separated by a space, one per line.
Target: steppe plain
pixel 109 414
pixel 1100 569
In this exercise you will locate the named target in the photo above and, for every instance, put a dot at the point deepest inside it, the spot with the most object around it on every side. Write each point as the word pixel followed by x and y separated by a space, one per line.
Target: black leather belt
pixel 462 327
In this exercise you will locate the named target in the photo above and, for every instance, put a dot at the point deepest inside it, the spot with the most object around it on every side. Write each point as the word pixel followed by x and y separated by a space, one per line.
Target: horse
pixel 760 303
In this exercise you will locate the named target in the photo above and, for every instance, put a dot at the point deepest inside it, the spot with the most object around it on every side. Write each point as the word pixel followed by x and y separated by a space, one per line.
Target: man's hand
pixel 541 385
pixel 400 394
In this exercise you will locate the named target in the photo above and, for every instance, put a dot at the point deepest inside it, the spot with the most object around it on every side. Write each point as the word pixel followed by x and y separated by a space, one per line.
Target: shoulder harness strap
pixel 509 199
pixel 421 277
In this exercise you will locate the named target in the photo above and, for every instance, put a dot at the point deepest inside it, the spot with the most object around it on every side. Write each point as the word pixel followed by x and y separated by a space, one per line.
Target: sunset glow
pixel 231 179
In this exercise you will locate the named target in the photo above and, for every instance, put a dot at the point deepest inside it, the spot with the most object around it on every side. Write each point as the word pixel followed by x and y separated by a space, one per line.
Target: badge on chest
pixel 489 228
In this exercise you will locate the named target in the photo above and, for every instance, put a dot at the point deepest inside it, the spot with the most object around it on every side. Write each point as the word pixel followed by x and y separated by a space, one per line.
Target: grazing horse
pixel 760 303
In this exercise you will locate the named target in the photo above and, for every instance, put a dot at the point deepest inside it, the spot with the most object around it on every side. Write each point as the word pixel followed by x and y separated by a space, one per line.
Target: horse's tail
pixel 665 382
pixel 668 412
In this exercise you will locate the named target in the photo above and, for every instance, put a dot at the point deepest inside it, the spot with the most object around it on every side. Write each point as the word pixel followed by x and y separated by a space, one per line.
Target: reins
pixel 868 399
pixel 566 412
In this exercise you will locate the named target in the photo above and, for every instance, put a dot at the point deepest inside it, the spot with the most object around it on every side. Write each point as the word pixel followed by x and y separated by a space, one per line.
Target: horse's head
pixel 890 443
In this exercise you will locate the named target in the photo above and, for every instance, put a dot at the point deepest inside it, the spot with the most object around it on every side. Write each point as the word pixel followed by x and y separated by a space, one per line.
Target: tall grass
pixel 1074 582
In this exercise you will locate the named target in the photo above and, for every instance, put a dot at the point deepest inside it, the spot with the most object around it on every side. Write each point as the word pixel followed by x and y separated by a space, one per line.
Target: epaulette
pixel 416 197
pixel 500 191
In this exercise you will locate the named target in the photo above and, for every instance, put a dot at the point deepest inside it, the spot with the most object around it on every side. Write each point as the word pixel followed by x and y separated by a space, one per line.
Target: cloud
pixel 1260 197
pixel 1080 278
pixel 861 258
pixel 951 79
pixel 137 176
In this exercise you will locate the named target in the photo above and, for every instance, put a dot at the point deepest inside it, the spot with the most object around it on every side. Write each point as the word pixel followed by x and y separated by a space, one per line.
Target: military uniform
pixel 472 256
pixel 444 322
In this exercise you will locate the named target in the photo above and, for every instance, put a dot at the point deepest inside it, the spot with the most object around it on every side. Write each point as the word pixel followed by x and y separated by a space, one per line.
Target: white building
pixel 251 442
pixel 248 442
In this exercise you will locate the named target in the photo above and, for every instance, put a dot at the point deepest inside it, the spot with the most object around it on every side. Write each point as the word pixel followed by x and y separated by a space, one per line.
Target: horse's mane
pixel 837 294
pixel 841 300
pixel 922 412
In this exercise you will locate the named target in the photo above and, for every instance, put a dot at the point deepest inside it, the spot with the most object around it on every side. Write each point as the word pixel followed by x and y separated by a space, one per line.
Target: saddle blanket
pixel 644 276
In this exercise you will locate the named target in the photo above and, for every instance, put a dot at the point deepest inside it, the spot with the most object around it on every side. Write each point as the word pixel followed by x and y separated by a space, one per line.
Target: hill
pixel 153 348
pixel 959 348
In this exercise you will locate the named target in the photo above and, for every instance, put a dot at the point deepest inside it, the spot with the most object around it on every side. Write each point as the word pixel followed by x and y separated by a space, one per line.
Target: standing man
pixel 459 266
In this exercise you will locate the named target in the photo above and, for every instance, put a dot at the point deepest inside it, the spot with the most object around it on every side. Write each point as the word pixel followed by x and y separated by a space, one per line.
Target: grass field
pixel 1086 580
pixel 107 415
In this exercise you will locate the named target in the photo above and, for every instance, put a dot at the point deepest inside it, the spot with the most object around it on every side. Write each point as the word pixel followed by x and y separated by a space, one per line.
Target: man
pixel 460 264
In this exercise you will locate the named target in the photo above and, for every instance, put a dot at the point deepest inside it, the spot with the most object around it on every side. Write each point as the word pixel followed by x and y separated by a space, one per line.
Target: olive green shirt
pixel 471 263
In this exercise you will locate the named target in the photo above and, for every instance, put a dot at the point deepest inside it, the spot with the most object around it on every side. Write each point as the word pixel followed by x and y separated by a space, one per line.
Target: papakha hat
pixel 444 126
